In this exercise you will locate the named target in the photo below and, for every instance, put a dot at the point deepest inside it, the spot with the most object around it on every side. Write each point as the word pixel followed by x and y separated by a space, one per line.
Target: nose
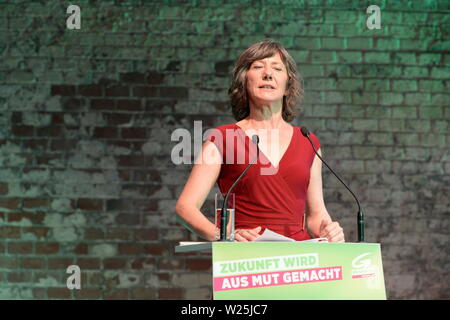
pixel 267 75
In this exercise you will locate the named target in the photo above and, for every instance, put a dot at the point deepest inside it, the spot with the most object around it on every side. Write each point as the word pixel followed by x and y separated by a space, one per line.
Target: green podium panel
pixel 295 270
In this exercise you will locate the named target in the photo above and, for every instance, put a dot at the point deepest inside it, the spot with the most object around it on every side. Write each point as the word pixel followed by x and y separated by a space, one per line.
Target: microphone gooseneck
pixel 360 217
pixel 224 212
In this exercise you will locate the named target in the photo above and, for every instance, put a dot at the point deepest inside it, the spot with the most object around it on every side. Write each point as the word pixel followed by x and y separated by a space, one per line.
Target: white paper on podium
pixel 191 243
pixel 269 235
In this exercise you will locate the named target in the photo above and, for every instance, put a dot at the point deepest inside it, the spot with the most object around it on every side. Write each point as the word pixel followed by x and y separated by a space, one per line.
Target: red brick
pixel 146 234
pixel 90 204
pixel 128 219
pixel 59 293
pixel 223 67
pixel 164 276
pixel 20 277
pixel 151 206
pixel 34 217
pixel 158 249
pixel 105 133
pixel 10 203
pixel 81 248
pixel 207 120
pixel 143 293
pixel 33 263
pixel 62 90
pixel 90 90
pixel 130 161
pixel 118 91
pixel 19 216
pixel 93 234
pixel 92 171
pixel 95 278
pixel 139 263
pixel 132 77
pixel 73 104
pixel 16 117
pixel 50 131
pixel 174 234
pixel 60 263
pixel 134 133
pixel 147 175
pixel 58 118
pixel 171 264
pixel 140 189
pixel 20 247
pixel 137 145
pixel 129 105
pixel 4 188
pixel 88 293
pixel 10 263
pixel 38 217
pixel 114 263
pixel 144 92
pixel 46 159
pixel 102 104
pixel 88 263
pixel 118 234
pixel 47 247
pixel 117 205
pixel 117 294
pixel 35 203
pixel 156 105
pixel 22 131
pixel 39 232
pixel 10 232
pixel 170 293
pixel 118 119
pixel 130 249
pixel 154 78
pixel 198 264
pixel 174 92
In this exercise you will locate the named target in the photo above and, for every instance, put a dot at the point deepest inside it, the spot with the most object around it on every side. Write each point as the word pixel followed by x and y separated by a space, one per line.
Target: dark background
pixel 86 118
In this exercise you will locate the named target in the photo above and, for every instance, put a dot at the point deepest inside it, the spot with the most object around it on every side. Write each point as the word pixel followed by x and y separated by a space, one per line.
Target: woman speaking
pixel 282 191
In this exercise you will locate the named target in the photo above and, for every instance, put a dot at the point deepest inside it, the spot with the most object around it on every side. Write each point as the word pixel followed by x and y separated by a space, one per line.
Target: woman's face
pixel 267 80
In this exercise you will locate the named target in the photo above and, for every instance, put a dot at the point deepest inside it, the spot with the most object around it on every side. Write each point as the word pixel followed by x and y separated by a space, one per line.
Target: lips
pixel 266 86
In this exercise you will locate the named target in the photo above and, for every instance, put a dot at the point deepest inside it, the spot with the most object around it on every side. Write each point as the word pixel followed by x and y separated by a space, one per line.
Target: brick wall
pixel 86 118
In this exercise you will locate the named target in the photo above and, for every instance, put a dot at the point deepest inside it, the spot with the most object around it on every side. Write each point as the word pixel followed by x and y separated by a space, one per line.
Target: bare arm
pixel 200 182
pixel 319 222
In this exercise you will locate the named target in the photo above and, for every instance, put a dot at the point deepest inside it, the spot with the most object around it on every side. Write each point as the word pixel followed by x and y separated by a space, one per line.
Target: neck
pixel 266 116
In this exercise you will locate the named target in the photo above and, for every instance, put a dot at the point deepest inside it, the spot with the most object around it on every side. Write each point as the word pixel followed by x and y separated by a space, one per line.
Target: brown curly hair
pixel 238 89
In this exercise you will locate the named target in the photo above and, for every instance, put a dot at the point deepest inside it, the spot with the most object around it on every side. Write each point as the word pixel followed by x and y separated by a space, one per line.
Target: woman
pixel 264 93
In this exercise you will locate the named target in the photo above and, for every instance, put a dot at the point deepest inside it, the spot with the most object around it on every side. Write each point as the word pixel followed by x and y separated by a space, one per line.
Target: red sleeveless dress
pixel 267 196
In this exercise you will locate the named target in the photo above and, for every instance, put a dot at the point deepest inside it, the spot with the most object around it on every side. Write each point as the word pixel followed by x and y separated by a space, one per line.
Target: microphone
pixel 224 212
pixel 360 218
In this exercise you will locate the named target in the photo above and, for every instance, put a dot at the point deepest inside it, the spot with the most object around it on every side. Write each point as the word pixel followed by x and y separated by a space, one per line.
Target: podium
pixel 294 270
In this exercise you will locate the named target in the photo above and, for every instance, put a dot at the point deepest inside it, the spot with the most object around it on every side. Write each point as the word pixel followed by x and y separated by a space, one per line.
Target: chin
pixel 267 100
